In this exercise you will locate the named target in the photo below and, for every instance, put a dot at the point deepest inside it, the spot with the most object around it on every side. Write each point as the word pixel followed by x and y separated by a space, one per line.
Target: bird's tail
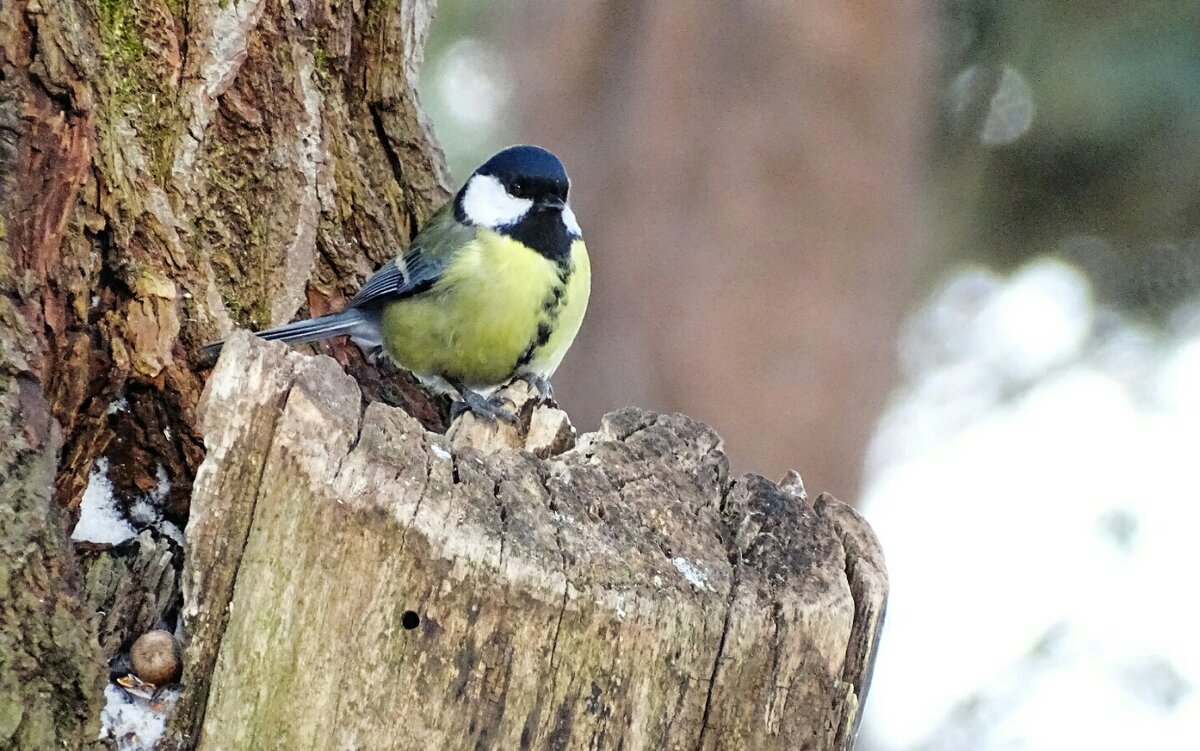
pixel 350 321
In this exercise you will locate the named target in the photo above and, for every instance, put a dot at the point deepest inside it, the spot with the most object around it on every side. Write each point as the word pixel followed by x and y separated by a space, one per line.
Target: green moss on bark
pixel 141 77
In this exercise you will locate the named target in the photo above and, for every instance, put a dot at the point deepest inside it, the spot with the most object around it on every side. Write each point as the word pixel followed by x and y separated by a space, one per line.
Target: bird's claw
pixel 545 391
pixel 488 409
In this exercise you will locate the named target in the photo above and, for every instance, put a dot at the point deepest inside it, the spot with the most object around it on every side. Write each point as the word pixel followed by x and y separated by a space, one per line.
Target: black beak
pixel 552 203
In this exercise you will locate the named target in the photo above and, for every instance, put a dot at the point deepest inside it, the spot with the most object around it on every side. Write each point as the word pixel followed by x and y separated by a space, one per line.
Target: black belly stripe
pixel 545 328
pixel 554 299
pixel 525 357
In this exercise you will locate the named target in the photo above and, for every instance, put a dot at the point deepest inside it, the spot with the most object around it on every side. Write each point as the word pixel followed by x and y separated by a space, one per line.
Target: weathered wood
pixel 131 587
pixel 356 581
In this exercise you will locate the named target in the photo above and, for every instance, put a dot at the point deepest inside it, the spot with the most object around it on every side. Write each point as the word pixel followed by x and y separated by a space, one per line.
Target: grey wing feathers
pixel 422 263
pixel 389 282
pixel 349 321
pixel 392 282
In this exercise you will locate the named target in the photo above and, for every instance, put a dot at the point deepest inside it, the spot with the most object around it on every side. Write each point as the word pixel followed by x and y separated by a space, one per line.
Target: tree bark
pixel 50 666
pixel 360 582
pixel 168 169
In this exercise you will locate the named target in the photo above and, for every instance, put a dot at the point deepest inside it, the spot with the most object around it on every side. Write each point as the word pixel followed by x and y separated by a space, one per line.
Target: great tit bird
pixel 493 287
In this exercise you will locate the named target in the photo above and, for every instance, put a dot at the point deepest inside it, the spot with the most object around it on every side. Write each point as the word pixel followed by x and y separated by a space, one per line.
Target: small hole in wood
pixel 410 620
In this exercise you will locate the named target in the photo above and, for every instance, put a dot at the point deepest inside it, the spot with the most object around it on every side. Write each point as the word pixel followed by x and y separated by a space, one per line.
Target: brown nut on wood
pixel 155 657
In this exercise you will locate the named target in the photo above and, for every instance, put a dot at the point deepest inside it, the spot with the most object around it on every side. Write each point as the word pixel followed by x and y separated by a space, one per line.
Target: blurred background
pixel 942 258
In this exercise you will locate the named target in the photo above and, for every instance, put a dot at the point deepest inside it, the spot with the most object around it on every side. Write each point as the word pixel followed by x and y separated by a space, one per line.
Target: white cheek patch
pixel 569 222
pixel 487 203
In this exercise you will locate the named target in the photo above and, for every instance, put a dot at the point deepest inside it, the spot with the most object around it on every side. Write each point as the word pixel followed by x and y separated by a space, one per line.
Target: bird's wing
pixel 421 264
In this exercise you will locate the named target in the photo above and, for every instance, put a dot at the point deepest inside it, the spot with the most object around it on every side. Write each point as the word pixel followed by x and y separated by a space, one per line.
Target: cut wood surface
pixel 354 581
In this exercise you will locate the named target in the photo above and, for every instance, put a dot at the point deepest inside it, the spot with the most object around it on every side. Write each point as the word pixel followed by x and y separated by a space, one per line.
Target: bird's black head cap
pixel 528 172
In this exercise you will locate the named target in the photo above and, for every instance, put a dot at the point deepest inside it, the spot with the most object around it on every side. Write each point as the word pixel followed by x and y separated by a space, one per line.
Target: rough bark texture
pixel 50 667
pixel 179 168
pixel 356 581
pixel 168 169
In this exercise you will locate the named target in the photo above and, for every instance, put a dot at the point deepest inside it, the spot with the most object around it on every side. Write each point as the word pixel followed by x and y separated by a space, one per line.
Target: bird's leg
pixel 488 409
pixel 545 391
pixel 376 357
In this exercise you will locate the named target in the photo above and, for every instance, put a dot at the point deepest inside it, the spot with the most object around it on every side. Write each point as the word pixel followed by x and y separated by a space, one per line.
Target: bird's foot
pixel 377 357
pixel 545 391
pixel 488 409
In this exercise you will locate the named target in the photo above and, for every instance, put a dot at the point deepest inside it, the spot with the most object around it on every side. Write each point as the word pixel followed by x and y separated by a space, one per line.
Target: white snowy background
pixel 1035 489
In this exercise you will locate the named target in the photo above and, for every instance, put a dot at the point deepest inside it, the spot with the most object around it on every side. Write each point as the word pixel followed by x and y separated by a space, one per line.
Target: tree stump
pixel 355 581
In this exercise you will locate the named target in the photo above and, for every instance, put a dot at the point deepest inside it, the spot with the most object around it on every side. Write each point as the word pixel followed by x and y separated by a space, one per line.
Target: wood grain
pixel 400 590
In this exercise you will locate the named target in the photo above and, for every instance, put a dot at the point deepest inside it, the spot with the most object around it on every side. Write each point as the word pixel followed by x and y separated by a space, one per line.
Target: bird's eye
pixel 518 189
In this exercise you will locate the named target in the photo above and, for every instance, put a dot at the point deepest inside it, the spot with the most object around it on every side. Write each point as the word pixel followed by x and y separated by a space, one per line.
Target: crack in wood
pixel 544 732
pixel 716 668
pixel 412 520
pixel 385 142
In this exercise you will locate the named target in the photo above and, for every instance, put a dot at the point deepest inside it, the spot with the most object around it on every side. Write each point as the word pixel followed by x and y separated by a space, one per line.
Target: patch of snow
pixel 439 452
pixel 143 513
pixel 161 488
pixel 172 530
pixel 137 724
pixel 146 511
pixel 100 520
pixel 693 574
pixel 119 405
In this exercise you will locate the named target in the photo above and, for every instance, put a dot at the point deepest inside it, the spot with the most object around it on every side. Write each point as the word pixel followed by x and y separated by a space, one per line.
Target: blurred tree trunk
pixel 747 176
pixel 168 168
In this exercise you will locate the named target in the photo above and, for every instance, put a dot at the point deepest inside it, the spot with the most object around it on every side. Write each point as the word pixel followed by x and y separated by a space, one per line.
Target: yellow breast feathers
pixel 499 310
